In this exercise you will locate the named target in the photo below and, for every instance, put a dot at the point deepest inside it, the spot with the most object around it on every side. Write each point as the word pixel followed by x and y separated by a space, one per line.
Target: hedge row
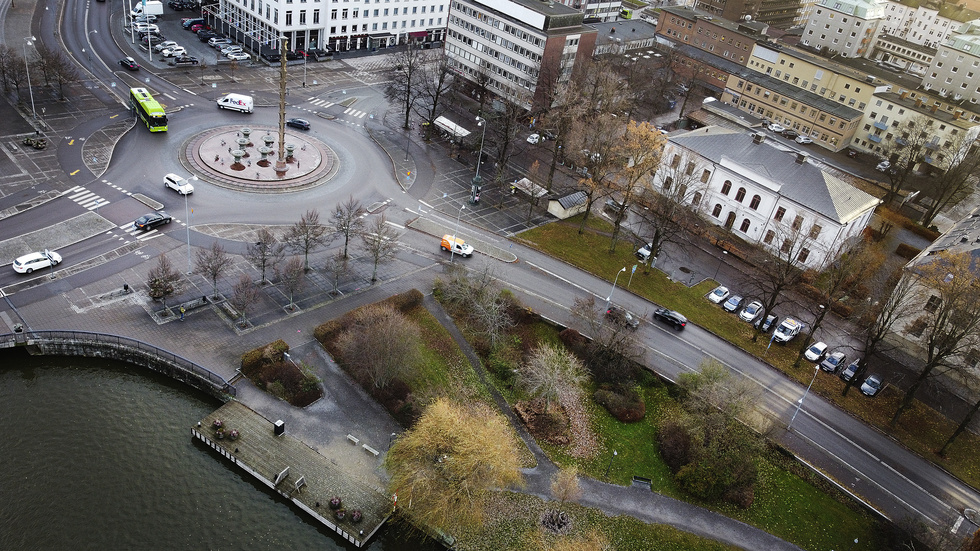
pixel 271 352
pixel 327 332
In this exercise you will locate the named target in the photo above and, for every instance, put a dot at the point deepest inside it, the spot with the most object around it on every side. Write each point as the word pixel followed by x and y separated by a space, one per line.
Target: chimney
pixel 758 137
pixel 801 157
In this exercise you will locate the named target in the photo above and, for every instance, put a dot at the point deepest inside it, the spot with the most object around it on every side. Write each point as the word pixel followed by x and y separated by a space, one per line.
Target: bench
pixel 353 439
pixel 370 450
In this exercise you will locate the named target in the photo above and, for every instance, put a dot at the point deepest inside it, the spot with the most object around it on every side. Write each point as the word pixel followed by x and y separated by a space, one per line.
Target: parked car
pixel 178 184
pixel 615 206
pixel 238 56
pixel 204 36
pixel 765 325
pixel 176 51
pixel 872 385
pixel 146 28
pixel 164 45
pixel 833 361
pixel 816 351
pixel 145 18
pixel 129 63
pixel 149 221
pixel 777 128
pixel 848 373
pixel 883 166
pixel 852 153
pixel 790 133
pixel 36 261
pixel 719 294
pixel 199 27
pixel 622 317
pixel 534 138
pixel 301 124
pixel 786 330
pixel 643 253
pixel 231 49
pixel 803 140
pixel 214 42
pixel 750 312
pixel 185 60
pixel 669 316
pixel 733 303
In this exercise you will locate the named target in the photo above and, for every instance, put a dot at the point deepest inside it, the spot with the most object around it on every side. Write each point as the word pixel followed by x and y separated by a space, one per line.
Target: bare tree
pixel 549 371
pixel 265 252
pixel 245 294
pixel 612 352
pixel 905 152
pixel 781 270
pixel 443 467
pixel 212 263
pixel 381 344
pixel 593 151
pixel 337 267
pixel 478 296
pixel 65 72
pixel 951 321
pixel 8 56
pixel 959 169
pixel 665 207
pixel 306 235
pixel 163 280
pixel 347 220
pixel 504 130
pixel 403 85
pixel 380 242
pixel 436 80
pixel 641 147
pixel 292 275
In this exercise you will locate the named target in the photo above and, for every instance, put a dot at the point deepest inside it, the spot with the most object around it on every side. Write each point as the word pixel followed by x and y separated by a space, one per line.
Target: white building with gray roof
pixel 765 195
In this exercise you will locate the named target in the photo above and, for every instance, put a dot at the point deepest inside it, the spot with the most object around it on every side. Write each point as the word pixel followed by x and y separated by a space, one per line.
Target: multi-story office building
pixel 342 25
pixel 844 27
pixel 782 14
pixel 518 44
pixel 596 10
pixel 955 71
pixel 710 33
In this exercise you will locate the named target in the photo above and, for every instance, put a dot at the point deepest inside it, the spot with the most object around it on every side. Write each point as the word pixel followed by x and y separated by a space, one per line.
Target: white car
pixel 238 56
pixel 164 45
pixel 176 51
pixel 803 140
pixel 231 50
pixel 146 28
pixel 178 184
pixel 534 138
pixel 883 166
pixel 776 128
pixel 815 352
pixel 719 294
pixel 750 312
pixel 145 18
pixel 36 261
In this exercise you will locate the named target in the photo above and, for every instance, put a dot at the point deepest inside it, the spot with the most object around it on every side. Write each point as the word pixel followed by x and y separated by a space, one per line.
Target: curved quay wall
pixel 100 345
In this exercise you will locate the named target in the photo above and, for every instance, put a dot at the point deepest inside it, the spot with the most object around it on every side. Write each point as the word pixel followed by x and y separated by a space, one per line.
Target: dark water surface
pixel 97 454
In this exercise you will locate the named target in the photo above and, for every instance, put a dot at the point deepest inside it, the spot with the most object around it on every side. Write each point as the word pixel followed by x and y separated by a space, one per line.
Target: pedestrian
pixel 182 313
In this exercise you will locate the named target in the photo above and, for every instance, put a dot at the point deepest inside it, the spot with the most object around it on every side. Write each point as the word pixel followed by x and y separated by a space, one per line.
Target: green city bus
pixel 148 109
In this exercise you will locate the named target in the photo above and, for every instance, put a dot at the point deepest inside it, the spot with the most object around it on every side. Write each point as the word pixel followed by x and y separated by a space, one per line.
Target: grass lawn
pixel 922 429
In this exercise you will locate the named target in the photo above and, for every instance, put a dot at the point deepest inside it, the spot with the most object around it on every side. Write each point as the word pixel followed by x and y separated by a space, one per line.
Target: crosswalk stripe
pixel 80 194
pixel 90 202
pixel 98 204
pixel 348 110
pixel 362 113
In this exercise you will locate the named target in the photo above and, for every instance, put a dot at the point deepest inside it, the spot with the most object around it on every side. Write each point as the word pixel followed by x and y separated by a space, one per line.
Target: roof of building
pixel 572 200
pixel 925 108
pixel 803 183
pixel 962 237
pixel 922 48
pixel 629 30
pixel 806 97
pixel 755 29
pixel 864 9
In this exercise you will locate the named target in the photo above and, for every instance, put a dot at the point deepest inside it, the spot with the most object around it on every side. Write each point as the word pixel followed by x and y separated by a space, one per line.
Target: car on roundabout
pixel 35 261
pixel 299 124
pixel 151 220
pixel 129 63
pixel 178 184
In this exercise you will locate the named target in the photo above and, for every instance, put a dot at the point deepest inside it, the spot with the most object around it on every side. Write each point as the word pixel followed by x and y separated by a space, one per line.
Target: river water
pixel 98 454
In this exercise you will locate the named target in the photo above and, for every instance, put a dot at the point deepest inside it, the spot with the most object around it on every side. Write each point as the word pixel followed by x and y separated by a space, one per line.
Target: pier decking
pixel 295 471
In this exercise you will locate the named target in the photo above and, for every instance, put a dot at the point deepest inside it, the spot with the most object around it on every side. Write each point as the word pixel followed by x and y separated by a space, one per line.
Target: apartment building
pixel 710 33
pixel 955 71
pixel 518 44
pixel 596 10
pixel 342 25
pixel 927 23
pixel 844 27
pixel 782 14
pixel 765 195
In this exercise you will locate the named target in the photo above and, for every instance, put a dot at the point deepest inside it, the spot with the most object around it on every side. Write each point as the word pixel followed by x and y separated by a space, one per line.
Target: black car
pixel 293 56
pixel 318 54
pixel 204 36
pixel 185 60
pixel 129 63
pixel 301 124
pixel 669 316
pixel 789 133
pixel 622 317
pixel 615 206
pixel 149 221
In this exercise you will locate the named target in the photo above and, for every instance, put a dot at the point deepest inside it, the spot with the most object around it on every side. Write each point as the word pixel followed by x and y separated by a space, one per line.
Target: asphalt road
pixel 894 480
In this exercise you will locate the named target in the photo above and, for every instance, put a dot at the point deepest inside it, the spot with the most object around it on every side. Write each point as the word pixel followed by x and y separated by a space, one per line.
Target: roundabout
pixel 246 158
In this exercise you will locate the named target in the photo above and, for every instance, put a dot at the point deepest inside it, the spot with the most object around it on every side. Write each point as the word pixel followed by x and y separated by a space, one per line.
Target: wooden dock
pixel 295 471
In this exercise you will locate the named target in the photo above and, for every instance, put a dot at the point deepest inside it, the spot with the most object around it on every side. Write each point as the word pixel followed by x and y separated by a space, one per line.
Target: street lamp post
pixel 799 404
pixel 609 466
pixel 611 291
pixel 452 246
pixel 720 260
pixel 477 180
pixel 28 42
pixel 187 224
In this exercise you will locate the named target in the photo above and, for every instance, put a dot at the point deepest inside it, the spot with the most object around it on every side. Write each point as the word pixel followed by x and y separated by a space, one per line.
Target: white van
pixel 237 102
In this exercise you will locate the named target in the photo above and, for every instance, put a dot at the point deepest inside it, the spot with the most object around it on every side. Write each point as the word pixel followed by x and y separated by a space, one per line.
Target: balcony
pixel 881 125
pixel 901 141
pixel 875 138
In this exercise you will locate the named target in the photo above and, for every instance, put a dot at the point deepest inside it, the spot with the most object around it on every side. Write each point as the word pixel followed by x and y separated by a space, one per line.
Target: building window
pixel 690 169
pixel 769 237
pixel 740 196
pixel 696 200
pixel 676 161
pixel 716 212
pixel 745 225
pixel 754 205
pixel 933 304
pixel 726 187
pixel 815 231
pixel 916 327
pixel 804 254
pixel 668 180
pixel 704 176
pixel 797 222
pixel 780 212
pixel 787 245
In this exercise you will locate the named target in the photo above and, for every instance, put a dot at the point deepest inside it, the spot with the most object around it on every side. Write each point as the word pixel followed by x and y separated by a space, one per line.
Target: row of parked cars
pixel 625 318
pixel 786 330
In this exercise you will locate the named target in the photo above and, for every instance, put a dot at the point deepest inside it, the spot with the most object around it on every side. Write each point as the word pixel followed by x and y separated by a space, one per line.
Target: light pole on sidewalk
pixel 799 404
pixel 613 290
pixel 609 466
pixel 28 41
pixel 720 260
pixel 452 246
pixel 477 180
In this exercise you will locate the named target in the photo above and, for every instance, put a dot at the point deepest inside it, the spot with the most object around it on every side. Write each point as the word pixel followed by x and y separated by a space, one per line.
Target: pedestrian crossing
pixel 86 198
pixel 355 113
pixel 322 103
pixel 139 235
